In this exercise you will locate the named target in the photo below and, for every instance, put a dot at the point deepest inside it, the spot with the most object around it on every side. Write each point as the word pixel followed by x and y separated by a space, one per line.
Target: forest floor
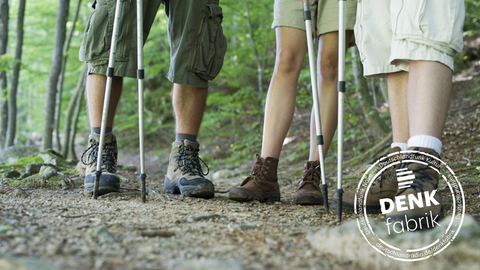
pixel 52 228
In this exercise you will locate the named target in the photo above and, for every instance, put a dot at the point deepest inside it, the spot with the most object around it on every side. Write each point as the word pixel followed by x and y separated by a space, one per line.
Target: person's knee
pixel 289 61
pixel 329 68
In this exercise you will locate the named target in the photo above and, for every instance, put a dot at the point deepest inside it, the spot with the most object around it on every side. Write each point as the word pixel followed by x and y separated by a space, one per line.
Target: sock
pixel 403 146
pixel 180 137
pixel 425 141
pixel 97 130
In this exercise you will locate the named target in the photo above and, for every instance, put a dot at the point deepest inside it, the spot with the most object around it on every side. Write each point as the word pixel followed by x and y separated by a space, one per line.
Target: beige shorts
pixel 324 15
pixel 389 33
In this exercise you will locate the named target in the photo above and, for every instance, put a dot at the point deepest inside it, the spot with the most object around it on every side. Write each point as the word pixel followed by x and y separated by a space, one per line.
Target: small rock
pixel 19 193
pixel 33 168
pixel 4 228
pixel 48 159
pixel 11 174
pixel 103 234
pixel 47 172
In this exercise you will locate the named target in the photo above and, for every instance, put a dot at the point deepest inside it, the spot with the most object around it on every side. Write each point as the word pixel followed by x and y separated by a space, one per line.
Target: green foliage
pixel 21 163
pixel 472 21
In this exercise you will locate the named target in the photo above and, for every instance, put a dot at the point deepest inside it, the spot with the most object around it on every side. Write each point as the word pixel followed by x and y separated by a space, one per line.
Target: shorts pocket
pixel 210 44
pixel 97 37
pixel 433 21
pixel 96 42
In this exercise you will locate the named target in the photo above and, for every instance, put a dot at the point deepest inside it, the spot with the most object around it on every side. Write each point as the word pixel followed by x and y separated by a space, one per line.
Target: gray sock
pixel 180 137
pixel 97 130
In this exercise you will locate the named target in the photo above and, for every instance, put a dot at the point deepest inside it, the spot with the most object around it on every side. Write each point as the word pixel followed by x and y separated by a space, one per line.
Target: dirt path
pixel 51 228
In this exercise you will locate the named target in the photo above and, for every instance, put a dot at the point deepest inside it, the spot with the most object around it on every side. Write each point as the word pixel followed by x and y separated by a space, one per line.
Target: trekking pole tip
pixel 144 189
pixel 97 184
pixel 325 198
pixel 339 204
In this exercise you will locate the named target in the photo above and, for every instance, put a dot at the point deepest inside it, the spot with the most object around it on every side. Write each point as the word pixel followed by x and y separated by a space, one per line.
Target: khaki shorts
pixel 197 43
pixel 289 13
pixel 389 33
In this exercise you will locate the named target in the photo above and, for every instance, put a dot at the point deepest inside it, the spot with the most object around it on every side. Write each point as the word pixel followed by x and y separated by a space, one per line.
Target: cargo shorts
pixel 197 42
pixel 289 13
pixel 390 33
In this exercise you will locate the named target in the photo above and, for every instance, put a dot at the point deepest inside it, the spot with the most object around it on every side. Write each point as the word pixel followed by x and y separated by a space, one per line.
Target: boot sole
pixel 205 191
pixel 101 191
pixel 244 195
pixel 309 199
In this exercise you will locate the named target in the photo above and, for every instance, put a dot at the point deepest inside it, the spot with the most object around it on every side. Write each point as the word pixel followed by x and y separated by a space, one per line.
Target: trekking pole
pixel 106 102
pixel 341 92
pixel 316 107
pixel 140 77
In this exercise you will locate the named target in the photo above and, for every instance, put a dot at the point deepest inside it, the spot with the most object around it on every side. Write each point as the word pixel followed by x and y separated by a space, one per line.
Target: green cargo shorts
pixel 197 42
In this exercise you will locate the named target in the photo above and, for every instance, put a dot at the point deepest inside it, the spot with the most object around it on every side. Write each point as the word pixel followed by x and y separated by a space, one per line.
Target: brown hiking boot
pixel 309 191
pixel 417 188
pixel 385 186
pixel 260 185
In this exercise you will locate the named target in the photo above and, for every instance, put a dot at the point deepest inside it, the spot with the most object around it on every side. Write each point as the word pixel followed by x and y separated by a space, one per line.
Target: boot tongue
pixel 190 143
pixel 108 138
pixel 395 149
pixel 428 159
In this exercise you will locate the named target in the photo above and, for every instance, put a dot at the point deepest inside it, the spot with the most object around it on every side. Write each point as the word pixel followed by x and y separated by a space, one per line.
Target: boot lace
pixel 420 176
pixel 258 172
pixel 311 176
pixel 387 175
pixel 189 162
pixel 109 157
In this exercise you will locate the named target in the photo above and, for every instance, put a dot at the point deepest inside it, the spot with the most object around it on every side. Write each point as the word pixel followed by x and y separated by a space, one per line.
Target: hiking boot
pixel 109 181
pixel 185 175
pixel 421 181
pixel 260 185
pixel 309 191
pixel 385 186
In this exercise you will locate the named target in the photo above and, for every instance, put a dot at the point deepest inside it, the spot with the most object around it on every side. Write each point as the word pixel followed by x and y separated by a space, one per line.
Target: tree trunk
pixel 58 105
pixel 74 125
pixel 55 69
pixel 377 124
pixel 260 67
pixel 71 109
pixel 3 74
pixel 12 94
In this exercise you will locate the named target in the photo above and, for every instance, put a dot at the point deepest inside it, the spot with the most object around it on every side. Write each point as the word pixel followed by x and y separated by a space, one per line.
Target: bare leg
pixel 280 104
pixel 188 105
pixel 397 100
pixel 95 97
pixel 429 88
pixel 327 75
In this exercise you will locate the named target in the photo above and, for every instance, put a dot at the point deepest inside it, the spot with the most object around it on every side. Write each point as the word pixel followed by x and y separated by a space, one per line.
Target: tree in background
pixel 3 67
pixel 12 94
pixel 57 58
pixel 61 77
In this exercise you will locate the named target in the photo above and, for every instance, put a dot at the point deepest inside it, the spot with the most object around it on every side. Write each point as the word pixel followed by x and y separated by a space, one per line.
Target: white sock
pixel 425 141
pixel 403 146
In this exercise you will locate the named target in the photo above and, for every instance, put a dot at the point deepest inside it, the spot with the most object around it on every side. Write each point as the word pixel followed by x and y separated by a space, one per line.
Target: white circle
pixel 413 253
